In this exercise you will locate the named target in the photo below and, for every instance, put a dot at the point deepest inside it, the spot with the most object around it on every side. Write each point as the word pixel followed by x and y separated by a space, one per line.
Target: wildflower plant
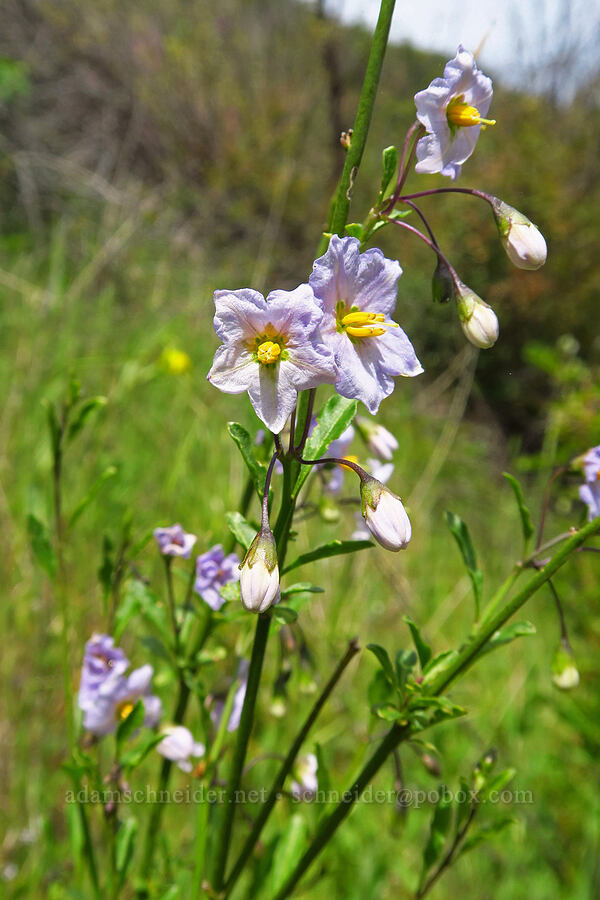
pixel 337 333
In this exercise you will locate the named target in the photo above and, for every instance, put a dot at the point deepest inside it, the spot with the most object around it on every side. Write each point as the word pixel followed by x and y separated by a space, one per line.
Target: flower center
pixel 360 324
pixel 461 115
pixel 124 708
pixel 268 352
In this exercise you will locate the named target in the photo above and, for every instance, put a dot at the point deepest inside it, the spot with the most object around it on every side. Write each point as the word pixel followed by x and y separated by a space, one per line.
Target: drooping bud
pixel 564 671
pixel 478 320
pixel 384 514
pixel 442 283
pixel 378 439
pixel 259 576
pixel 524 243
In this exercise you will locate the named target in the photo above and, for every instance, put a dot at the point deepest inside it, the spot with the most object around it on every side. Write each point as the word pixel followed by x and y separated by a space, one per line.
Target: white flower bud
pixel 378 439
pixel 385 515
pixel 478 320
pixel 564 671
pixel 259 577
pixel 524 243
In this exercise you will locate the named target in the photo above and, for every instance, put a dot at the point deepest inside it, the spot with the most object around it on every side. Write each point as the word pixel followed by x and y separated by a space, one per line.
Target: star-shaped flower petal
pixel 357 292
pixel 213 570
pixel 453 110
pixel 271 348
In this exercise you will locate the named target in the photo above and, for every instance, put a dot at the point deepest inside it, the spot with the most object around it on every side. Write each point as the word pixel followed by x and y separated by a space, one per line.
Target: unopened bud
pixel 259 577
pixel 564 671
pixel 442 283
pixel 378 439
pixel 523 242
pixel 384 514
pixel 478 320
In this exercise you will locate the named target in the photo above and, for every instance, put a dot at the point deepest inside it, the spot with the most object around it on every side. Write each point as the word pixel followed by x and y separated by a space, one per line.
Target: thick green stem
pixel 286 767
pixel 339 210
pixel 434 686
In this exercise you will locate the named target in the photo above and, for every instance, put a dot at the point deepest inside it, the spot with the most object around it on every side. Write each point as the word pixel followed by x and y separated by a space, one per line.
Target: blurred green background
pixel 152 153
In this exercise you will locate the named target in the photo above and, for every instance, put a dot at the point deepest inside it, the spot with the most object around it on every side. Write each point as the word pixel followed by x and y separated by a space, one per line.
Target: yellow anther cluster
pixel 268 352
pixel 461 115
pixel 366 324
pixel 124 709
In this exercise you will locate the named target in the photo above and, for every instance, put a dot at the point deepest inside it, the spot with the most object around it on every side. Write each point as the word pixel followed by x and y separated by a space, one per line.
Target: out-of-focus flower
pixel 590 494
pixel 477 320
pixel 384 514
pixel 524 243
pixel 179 746
pixel 115 698
pixel 379 470
pixel 176 362
pixel 564 671
pixel 357 292
pixel 378 439
pixel 174 541
pixel 101 660
pixel 216 710
pixel 213 570
pixel 305 783
pixel 590 462
pixel 452 109
pixel 259 578
pixel 271 348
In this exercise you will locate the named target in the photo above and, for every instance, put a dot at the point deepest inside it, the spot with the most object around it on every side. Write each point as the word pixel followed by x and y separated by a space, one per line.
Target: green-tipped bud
pixel 384 514
pixel 478 320
pixel 564 671
pixel 523 242
pixel 259 578
pixel 442 283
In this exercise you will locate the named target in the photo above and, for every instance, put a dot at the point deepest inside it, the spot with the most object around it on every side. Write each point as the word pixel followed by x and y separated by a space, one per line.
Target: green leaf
pixel 439 663
pixel 440 825
pixel 290 847
pixel 107 566
pixel 83 413
pixel 389 164
pixel 134 757
pixel 301 587
pixel 388 712
pixel 76 836
pixel 230 592
pixel 526 524
pixel 83 504
pixel 499 781
pixel 244 444
pixel 405 663
pixel 484 833
pixel 243 532
pixel 155 646
pixel 423 649
pixel 332 421
pixel 41 546
pixel 125 843
pixel 323 770
pixel 507 634
pixel 380 692
pixel 130 723
pixel 355 229
pixel 138 598
pixel 333 548
pixel 284 615
pixel 463 539
pixel 385 662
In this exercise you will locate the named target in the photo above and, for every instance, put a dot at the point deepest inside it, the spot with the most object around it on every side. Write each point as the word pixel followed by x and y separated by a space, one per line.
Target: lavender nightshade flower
pixel 174 541
pixel 378 439
pixel 271 348
pixel 590 494
pixel 101 660
pixel 591 464
pixel 452 109
pixel 216 710
pixel 114 699
pixel 213 570
pixel 179 746
pixel 357 292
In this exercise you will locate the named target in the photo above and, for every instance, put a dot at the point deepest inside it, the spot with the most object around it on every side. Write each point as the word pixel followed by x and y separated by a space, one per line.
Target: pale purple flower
pixel 357 292
pixel 453 110
pixel 590 494
pixel 216 710
pixel 378 439
pixel 179 746
pixel 305 783
pixel 101 660
pixel 213 570
pixel 591 464
pixel 271 348
pixel 114 699
pixel 379 470
pixel 174 541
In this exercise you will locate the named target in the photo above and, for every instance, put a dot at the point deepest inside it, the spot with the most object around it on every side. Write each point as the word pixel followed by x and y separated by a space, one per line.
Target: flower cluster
pixel 106 694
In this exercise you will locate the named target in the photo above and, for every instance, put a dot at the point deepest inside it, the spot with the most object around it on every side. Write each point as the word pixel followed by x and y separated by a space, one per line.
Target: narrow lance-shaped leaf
pixel 243 442
pixel 507 634
pixel 421 646
pixel 463 539
pixel 241 529
pixel 83 413
pixel 41 546
pixel 440 825
pixel 333 548
pixel 332 421
pixel 526 524
pixel 384 661
pixel 389 164
pixel 83 504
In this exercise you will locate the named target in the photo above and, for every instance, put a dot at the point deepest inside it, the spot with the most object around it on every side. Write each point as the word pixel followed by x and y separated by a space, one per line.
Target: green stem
pixel 227 811
pixel 286 767
pixel 435 685
pixel 200 843
pixel 339 212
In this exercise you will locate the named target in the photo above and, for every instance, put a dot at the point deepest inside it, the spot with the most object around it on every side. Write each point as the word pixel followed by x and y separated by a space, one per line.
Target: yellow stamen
pixel 125 709
pixel 350 458
pixel 360 324
pixel 268 352
pixel 461 115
